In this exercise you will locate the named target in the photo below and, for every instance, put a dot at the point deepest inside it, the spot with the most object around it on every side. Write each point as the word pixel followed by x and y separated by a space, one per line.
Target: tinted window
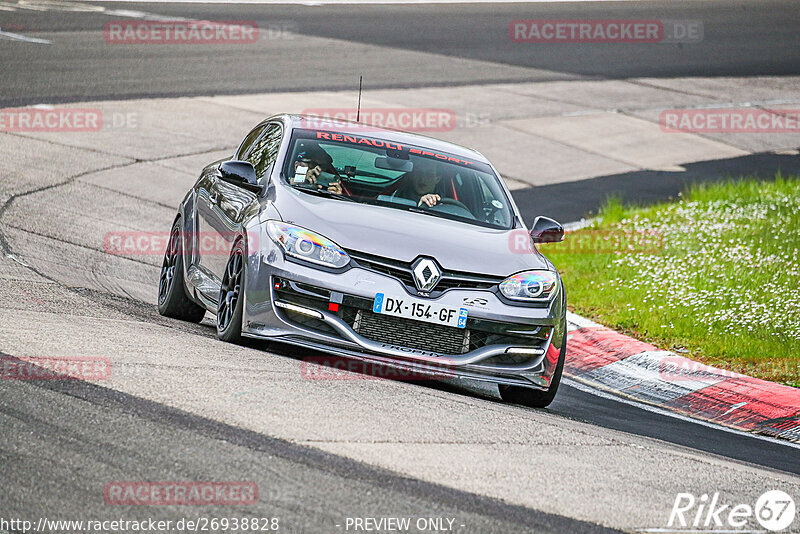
pixel 384 173
pixel 248 142
pixel 263 152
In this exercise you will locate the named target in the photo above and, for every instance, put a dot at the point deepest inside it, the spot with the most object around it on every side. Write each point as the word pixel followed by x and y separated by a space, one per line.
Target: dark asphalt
pixel 743 38
pixel 570 201
pixel 609 413
pixel 64 440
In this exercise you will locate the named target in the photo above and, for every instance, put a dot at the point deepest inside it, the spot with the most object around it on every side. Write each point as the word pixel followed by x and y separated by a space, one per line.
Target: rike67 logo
pixel 774 511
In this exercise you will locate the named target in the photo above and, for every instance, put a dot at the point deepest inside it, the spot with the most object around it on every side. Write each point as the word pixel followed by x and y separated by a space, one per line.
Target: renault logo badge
pixel 426 274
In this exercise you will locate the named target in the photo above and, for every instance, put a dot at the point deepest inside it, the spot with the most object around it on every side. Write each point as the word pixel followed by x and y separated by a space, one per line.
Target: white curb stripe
pixel 575 321
pixel 641 376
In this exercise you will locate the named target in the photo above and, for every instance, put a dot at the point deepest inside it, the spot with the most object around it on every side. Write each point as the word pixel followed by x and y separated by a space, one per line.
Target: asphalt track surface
pixel 743 38
pixel 49 428
pixel 303 487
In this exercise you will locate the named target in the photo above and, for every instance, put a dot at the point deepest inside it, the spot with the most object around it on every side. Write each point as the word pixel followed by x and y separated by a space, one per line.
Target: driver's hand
pixel 335 187
pixel 313 174
pixel 430 200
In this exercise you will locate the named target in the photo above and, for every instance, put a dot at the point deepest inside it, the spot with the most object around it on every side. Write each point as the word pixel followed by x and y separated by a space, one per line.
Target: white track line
pixel 580 386
pixel 17 37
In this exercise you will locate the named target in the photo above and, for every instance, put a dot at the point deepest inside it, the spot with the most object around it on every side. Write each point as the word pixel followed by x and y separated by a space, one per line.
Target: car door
pixel 221 205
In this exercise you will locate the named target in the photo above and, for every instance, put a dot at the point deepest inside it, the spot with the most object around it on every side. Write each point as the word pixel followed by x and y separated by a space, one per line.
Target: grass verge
pixel 714 276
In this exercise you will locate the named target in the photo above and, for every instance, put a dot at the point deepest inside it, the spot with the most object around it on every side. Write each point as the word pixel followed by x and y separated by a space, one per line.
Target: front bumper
pixel 504 344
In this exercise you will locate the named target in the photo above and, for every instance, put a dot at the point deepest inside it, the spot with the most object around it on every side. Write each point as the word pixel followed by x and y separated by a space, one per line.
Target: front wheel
pixel 172 298
pixel 231 297
pixel 536 398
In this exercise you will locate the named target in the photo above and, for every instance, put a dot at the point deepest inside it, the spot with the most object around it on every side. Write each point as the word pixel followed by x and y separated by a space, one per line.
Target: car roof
pixel 386 134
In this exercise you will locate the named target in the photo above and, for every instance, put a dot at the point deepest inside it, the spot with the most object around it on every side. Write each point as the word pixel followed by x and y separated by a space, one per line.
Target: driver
pixel 318 161
pixel 421 183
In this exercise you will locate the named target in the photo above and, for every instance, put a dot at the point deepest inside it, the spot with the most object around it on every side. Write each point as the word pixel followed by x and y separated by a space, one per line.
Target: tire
pixel 231 301
pixel 173 300
pixel 536 398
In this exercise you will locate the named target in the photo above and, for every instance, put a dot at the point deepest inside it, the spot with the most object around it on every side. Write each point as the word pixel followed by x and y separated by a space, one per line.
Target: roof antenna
pixel 358 112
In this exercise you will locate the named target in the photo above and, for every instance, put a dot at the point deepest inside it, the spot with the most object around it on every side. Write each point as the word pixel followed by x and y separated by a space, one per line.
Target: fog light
pixel 298 309
pixel 525 350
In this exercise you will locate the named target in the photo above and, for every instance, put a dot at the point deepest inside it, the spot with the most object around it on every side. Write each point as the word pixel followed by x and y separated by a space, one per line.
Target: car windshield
pixel 384 173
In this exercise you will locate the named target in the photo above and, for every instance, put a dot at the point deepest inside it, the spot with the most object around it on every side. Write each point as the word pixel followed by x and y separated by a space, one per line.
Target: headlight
pixel 306 245
pixel 532 286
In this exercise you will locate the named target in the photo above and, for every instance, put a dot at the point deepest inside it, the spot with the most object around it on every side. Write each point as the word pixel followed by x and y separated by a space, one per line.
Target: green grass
pixel 714 276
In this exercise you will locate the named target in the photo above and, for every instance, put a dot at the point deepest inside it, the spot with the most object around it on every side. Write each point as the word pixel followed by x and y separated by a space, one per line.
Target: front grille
pixel 410 333
pixel 402 271
pixel 388 266
pixel 357 312
pixel 453 280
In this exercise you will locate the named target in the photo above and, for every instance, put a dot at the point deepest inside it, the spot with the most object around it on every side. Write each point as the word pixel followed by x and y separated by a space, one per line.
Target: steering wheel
pixel 457 207
pixel 449 202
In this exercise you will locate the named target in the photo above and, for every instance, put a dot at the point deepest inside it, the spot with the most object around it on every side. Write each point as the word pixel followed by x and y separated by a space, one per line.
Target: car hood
pixel 404 235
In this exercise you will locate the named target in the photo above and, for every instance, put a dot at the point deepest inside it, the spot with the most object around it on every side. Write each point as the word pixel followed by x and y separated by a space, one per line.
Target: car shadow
pixel 334 367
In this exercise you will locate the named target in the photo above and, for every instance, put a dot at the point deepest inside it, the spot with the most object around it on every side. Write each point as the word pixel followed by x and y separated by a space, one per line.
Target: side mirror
pixel 546 230
pixel 239 173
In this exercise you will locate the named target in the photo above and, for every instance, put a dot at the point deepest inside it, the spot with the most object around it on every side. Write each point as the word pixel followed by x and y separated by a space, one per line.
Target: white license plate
pixel 419 310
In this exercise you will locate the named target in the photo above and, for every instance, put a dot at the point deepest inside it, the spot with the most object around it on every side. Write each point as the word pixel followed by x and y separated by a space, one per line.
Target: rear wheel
pixel 536 398
pixel 173 301
pixel 231 301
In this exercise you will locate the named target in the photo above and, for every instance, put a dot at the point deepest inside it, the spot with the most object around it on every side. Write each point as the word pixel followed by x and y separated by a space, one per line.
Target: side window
pixel 247 144
pixel 264 151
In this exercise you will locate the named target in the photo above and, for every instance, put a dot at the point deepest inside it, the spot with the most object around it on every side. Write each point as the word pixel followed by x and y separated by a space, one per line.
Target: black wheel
pixel 231 301
pixel 536 398
pixel 173 301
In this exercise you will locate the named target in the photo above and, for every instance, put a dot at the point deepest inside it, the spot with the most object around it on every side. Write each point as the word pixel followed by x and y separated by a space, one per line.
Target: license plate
pixel 419 310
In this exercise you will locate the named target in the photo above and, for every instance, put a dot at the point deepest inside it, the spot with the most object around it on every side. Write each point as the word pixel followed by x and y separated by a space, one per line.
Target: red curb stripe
pixel 763 400
pixel 787 430
pixel 737 401
pixel 591 347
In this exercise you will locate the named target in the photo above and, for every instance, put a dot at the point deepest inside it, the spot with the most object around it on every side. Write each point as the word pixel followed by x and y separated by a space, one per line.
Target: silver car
pixel 375 246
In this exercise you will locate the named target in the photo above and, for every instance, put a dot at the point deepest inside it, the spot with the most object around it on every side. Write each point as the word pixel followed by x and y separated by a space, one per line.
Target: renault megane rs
pixel 373 245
